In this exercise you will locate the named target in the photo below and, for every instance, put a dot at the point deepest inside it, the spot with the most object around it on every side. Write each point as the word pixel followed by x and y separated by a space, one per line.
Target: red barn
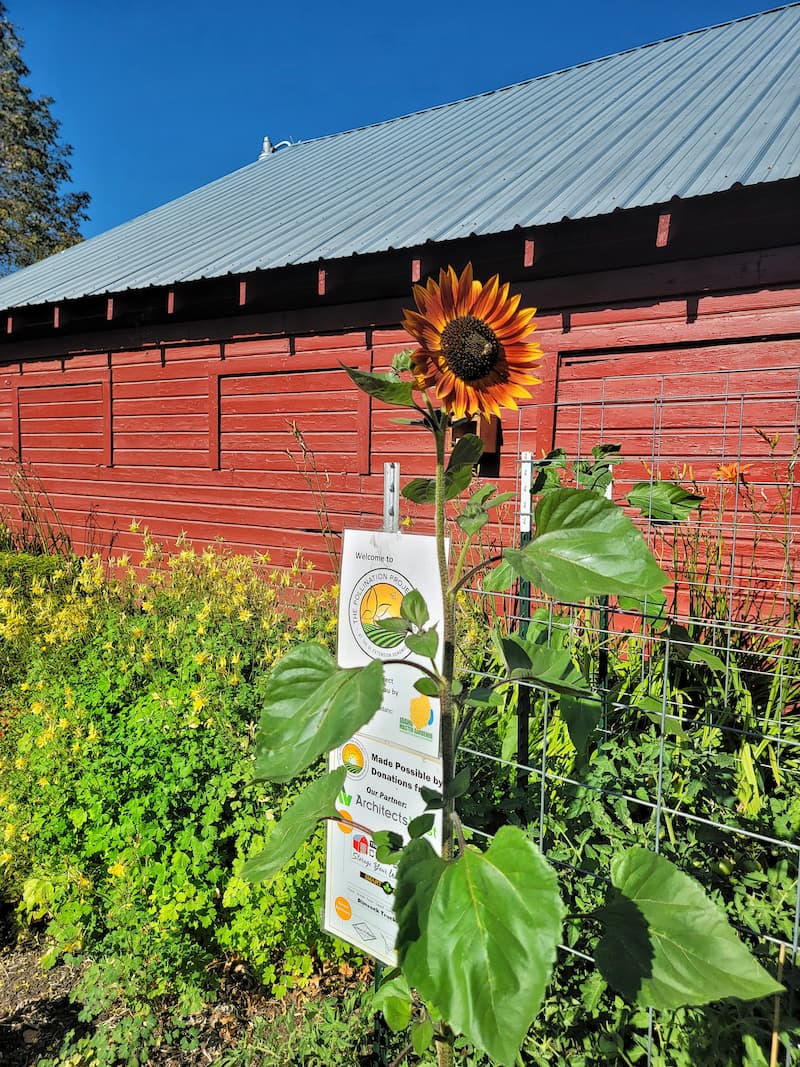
pixel 647 203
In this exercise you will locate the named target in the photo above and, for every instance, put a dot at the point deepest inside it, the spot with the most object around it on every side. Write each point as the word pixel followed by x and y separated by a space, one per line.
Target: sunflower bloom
pixel 473 348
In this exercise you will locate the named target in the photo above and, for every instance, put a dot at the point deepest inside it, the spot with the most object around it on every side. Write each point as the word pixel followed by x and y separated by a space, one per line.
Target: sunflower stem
pixel 448 646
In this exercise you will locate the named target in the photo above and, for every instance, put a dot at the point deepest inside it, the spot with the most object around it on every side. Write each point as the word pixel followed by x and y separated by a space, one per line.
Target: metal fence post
pixel 524 612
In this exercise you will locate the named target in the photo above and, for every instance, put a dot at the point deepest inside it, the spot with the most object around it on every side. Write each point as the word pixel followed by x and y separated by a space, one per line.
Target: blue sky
pixel 158 98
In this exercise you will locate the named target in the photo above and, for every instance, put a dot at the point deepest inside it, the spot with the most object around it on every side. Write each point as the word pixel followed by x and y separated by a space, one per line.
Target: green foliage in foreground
pixel 478 929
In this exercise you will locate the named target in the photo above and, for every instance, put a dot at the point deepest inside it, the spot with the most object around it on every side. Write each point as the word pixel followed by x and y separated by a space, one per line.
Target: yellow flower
pixel 134 526
pixel 245 615
pixel 473 349
pixel 201 658
pixel 9 832
pixel 117 870
pixel 92 734
pixel 6 857
pixel 198 700
pixel 45 736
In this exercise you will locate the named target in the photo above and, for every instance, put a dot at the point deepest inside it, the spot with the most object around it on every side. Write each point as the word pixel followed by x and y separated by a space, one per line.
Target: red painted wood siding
pixel 196 438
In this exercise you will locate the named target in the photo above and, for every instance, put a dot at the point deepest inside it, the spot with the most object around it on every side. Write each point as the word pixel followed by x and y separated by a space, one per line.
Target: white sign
pixel 378 569
pixel 397 752
pixel 381 792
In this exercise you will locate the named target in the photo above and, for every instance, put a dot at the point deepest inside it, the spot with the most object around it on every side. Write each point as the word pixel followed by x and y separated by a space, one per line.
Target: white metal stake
pixel 525 478
pixel 391 497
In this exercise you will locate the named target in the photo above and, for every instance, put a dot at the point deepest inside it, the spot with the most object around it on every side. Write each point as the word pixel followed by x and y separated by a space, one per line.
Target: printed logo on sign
pixel 343 908
pixel 419 720
pixel 354 758
pixel 361 845
pixel 376 598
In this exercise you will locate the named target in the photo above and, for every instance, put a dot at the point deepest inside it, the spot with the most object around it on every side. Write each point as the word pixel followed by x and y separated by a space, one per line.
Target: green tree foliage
pixel 36 217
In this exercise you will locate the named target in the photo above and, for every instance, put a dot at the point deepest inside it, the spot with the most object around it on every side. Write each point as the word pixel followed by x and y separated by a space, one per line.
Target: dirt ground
pixel 36 1012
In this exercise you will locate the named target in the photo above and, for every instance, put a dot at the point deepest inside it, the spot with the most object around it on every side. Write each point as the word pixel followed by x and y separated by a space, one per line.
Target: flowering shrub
pixel 125 764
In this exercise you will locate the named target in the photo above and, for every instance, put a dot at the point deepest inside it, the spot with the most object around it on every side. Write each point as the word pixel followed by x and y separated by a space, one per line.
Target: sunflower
pixel 472 342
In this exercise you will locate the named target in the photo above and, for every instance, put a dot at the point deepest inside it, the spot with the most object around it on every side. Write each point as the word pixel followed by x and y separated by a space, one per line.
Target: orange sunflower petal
pixel 483 363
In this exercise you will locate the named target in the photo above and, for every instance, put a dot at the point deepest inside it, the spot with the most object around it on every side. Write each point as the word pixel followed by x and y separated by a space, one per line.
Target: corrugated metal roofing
pixel 688 116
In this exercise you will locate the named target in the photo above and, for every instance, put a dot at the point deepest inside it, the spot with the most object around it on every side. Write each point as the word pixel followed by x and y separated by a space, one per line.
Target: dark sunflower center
pixel 470 348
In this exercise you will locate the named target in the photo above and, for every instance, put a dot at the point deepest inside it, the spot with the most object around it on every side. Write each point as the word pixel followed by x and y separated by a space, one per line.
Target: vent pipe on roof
pixel 268 148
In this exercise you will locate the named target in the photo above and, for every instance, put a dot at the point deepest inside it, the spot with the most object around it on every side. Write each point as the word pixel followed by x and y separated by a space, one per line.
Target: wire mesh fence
pixel 694 745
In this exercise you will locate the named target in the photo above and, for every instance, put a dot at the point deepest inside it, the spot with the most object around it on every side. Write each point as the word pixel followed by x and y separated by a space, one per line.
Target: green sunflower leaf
pixel 311 706
pixel 419 826
pixel 466 452
pixel 423 644
pixel 414 608
pixel 666 945
pixel 297 824
pixel 394 999
pixel 402 361
pixel 500 578
pixel 423 490
pixel 586 546
pixel 426 686
pixel 386 387
pixel 421 1036
pixel 477 937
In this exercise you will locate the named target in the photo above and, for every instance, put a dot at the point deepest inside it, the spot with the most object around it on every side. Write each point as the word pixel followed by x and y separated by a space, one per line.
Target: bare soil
pixel 37 1010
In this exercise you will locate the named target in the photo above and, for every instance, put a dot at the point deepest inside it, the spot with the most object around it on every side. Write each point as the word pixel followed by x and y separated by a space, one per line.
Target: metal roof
pixel 687 116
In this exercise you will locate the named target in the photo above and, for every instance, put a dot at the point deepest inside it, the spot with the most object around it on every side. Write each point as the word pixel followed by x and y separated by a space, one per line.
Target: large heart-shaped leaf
pixel 314 803
pixel 311 706
pixel 477 937
pixel 666 945
pixel 586 546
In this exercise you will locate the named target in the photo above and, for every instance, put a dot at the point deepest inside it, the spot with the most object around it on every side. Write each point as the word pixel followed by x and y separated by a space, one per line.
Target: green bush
pixel 127 775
